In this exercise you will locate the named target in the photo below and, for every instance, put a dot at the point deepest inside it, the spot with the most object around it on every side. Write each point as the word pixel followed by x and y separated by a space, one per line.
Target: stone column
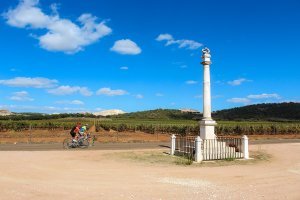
pixel 207 124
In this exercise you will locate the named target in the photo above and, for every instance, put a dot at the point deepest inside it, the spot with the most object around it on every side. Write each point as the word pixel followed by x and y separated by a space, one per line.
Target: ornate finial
pixel 206 50
pixel 206 56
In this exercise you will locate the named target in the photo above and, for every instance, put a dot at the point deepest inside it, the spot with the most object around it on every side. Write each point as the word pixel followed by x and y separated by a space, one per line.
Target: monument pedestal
pixel 207 129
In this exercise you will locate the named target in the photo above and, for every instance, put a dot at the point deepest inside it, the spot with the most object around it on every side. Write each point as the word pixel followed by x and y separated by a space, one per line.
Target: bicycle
pixel 82 142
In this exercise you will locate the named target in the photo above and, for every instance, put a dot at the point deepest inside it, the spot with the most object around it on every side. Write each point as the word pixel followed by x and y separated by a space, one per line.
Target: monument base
pixel 207 129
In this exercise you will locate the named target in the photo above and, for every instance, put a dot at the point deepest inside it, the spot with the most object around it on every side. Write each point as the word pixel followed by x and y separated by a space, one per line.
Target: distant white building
pixel 186 110
pixel 109 112
pixel 5 112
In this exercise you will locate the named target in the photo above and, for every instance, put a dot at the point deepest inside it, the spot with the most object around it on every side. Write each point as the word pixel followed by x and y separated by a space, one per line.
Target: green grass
pixel 229 159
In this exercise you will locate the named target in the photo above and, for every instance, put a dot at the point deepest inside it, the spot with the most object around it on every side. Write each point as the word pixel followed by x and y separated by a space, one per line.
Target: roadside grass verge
pixel 162 158
pixel 150 157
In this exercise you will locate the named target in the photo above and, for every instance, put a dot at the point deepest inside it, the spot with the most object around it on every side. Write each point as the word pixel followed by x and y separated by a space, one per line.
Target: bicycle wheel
pixel 67 143
pixel 84 143
pixel 93 139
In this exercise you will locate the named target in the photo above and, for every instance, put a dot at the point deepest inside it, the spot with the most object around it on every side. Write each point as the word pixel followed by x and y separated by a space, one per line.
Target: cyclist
pixel 74 131
pixel 83 130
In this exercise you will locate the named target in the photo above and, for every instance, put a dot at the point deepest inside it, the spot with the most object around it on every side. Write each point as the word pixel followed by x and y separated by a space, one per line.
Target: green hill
pixel 258 112
pixel 267 111
pixel 165 114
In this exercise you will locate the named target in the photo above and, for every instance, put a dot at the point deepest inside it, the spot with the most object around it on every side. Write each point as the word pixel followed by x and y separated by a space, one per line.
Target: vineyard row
pixel 172 128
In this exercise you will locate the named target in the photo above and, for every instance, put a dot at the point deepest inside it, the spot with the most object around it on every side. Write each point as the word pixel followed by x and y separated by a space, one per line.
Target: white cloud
pixel 263 96
pixel 257 97
pixel 188 44
pixel 85 91
pixel 36 82
pixel 76 110
pixel 191 82
pixel 66 36
pixel 77 102
pixel 54 7
pixel 73 102
pixel 239 100
pixel 198 96
pixel 68 90
pixel 139 96
pixel 62 34
pixel 110 92
pixel 159 94
pixel 50 108
pixel 64 90
pixel 27 14
pixel 124 68
pixel 126 47
pixel 182 43
pixel 47 109
pixel 21 96
pixel 165 36
pixel 237 81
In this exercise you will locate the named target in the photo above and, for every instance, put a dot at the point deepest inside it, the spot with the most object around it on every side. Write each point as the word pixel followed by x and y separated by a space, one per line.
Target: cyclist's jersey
pixel 75 129
pixel 82 130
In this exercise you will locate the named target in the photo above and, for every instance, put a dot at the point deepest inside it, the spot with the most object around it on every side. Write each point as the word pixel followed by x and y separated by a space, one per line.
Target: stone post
pixel 207 124
pixel 198 150
pixel 173 139
pixel 245 147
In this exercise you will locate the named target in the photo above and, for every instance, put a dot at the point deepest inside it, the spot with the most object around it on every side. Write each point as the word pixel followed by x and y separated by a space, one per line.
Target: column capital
pixel 206 50
pixel 206 56
pixel 206 62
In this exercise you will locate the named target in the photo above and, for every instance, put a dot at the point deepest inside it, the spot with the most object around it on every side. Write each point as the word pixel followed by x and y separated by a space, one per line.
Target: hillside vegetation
pixel 165 114
pixel 258 112
pixel 262 112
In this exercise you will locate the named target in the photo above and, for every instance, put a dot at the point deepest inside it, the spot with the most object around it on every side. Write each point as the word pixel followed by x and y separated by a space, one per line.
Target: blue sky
pixel 75 56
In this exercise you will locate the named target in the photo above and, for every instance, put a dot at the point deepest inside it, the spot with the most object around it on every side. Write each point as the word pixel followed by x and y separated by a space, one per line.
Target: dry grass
pixel 163 158
pixel 150 157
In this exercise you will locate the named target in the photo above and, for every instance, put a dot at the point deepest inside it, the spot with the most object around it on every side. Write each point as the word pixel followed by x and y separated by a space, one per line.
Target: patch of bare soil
pixel 263 137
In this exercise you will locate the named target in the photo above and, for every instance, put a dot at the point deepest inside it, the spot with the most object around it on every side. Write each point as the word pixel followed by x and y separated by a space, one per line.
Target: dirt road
pixel 97 146
pixel 104 175
pixel 117 146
